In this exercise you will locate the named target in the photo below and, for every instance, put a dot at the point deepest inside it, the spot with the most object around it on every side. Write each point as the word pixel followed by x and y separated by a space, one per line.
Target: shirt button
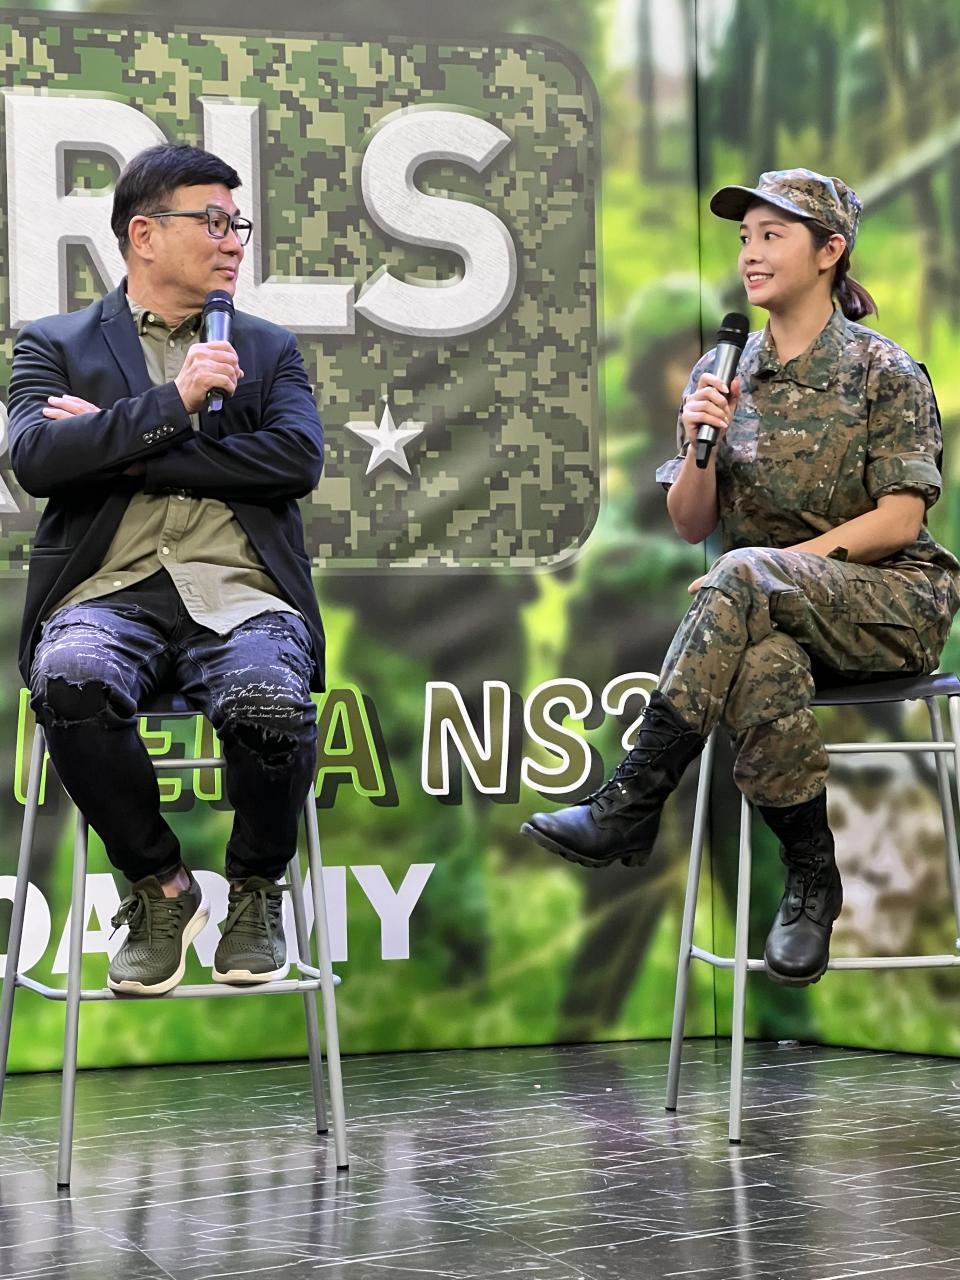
pixel 172 343
pixel 118 582
pixel 164 551
pixel 182 497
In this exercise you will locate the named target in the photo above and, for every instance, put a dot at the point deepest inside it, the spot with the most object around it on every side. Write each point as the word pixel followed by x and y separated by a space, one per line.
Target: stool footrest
pixel 843 962
pixel 871 748
pixel 187 991
pixel 191 762
pixel 720 962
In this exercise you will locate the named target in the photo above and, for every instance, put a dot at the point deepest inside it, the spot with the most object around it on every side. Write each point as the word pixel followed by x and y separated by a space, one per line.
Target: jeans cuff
pixel 239 865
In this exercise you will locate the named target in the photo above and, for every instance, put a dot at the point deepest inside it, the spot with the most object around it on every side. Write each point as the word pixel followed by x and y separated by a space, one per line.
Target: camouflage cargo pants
pixel 742 655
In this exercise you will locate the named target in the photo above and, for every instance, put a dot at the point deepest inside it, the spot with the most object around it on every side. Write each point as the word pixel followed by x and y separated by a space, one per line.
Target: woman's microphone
pixel 216 321
pixel 731 337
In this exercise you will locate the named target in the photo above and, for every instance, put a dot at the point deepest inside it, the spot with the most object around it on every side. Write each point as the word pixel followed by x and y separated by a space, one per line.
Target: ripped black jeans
pixel 97 661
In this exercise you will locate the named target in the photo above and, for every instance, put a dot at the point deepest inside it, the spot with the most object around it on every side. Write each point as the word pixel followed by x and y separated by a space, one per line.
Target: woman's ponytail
pixel 852 298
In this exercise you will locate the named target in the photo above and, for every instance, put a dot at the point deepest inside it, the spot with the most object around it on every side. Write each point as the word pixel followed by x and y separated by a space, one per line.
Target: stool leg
pixel 78 913
pixel 689 919
pixel 740 974
pixel 326 985
pixel 20 901
pixel 953 713
pixel 309 998
pixel 946 808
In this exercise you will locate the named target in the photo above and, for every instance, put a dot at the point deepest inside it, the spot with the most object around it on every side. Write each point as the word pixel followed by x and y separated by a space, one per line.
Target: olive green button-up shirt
pixel 198 541
pixel 818 440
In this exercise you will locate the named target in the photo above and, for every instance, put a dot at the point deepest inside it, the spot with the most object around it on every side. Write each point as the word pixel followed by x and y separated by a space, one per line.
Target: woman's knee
pixel 746 566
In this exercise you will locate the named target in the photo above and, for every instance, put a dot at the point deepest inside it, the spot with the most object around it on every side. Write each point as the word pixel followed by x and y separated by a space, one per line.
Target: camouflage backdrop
pixel 505 470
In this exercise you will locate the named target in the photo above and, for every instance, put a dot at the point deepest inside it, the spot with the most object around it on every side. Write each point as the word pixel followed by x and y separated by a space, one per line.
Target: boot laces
pixel 148 918
pixel 807 882
pixel 651 741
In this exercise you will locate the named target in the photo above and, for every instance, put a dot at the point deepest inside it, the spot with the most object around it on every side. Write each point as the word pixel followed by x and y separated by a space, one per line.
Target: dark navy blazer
pixel 260 453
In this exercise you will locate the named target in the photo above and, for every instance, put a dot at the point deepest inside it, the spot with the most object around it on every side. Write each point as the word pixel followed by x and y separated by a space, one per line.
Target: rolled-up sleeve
pixel 904 439
pixel 668 471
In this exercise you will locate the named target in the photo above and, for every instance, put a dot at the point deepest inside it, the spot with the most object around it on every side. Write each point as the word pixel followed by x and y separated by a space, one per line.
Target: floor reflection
pixel 553 1163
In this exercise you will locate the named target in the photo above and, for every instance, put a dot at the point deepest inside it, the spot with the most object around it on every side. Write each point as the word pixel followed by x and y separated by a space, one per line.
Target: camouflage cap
pixel 802 192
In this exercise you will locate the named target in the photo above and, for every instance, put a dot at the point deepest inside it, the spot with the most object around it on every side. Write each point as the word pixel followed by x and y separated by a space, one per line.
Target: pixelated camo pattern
pixel 506 472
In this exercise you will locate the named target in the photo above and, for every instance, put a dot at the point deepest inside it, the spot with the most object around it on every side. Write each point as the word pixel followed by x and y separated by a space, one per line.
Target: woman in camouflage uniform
pixel 827 462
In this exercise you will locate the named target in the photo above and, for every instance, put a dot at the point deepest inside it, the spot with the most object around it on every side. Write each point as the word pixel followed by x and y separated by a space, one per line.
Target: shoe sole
pixel 195 926
pixel 632 857
pixel 246 977
pixel 783 980
pixel 791 980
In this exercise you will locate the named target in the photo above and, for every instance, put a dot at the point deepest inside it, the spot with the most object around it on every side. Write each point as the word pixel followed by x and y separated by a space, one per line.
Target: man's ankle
pixel 176 884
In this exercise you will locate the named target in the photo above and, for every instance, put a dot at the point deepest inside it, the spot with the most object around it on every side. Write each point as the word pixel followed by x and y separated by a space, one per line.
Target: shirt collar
pixel 816 367
pixel 145 320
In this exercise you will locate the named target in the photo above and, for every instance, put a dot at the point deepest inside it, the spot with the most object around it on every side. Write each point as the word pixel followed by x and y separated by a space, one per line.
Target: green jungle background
pixel 509 946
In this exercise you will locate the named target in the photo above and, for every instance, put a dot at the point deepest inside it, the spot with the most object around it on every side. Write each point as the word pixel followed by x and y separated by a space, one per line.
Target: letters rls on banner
pixel 42 214
pixel 424 219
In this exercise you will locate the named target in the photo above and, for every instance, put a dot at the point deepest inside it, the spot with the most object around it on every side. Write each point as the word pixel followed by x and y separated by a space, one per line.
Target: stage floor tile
pixel 547 1164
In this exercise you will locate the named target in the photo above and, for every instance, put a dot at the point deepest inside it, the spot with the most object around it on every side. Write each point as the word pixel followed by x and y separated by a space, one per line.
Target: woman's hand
pixel 692 498
pixel 712 404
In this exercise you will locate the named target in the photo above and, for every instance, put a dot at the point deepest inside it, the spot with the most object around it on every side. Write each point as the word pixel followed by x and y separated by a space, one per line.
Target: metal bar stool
pixel 311 977
pixel 925 688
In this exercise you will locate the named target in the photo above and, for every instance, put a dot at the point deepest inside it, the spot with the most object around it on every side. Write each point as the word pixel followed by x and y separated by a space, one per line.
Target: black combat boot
pixel 798 945
pixel 621 819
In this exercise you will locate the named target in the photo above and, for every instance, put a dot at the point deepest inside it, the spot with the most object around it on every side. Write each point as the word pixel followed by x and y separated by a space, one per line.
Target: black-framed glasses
pixel 219 222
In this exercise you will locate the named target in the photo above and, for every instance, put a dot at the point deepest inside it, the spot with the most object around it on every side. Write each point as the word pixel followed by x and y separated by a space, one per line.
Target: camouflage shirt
pixel 816 441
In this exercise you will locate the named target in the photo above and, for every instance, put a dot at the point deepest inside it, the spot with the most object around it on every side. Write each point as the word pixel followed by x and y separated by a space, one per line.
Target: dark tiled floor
pixel 552 1164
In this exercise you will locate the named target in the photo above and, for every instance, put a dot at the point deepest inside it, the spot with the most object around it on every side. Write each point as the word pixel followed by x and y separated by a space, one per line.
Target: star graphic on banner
pixel 387 441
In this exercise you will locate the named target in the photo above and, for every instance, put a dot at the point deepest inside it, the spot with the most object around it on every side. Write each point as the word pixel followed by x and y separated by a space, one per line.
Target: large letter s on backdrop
pixel 401 144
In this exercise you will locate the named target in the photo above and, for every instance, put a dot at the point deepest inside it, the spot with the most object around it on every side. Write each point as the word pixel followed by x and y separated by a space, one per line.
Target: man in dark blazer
pixel 170 556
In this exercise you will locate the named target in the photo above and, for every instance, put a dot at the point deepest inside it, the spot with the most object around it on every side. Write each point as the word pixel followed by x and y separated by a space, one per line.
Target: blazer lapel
pixel 120 334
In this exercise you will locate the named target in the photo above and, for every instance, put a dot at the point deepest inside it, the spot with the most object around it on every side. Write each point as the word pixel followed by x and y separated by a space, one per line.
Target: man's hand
pixel 59 407
pixel 208 365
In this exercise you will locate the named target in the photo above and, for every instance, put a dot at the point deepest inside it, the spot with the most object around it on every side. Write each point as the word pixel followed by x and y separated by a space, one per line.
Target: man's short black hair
pixel 150 179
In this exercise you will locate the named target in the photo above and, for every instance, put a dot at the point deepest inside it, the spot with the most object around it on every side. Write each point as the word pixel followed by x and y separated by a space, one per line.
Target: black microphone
pixel 731 337
pixel 216 320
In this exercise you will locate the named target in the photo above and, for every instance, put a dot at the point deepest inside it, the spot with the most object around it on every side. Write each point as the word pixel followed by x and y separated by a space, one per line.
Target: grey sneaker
pixel 154 954
pixel 253 947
